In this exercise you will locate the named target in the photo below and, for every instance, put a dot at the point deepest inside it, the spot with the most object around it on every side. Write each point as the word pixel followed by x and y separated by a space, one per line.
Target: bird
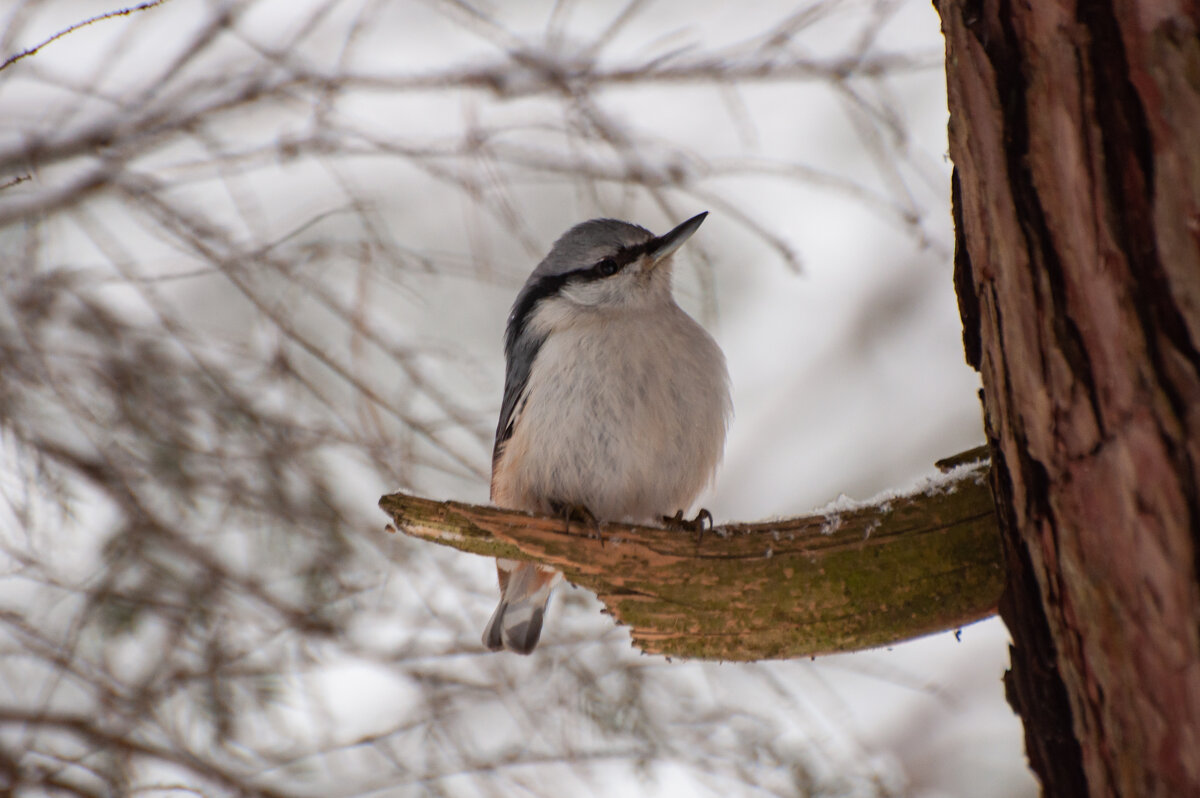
pixel 616 402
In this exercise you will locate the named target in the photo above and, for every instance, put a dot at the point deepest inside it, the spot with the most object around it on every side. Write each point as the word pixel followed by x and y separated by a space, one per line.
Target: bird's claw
pixel 580 515
pixel 699 525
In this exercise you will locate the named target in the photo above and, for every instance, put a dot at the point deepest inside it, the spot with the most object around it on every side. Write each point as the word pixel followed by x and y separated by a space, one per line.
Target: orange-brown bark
pixel 1075 134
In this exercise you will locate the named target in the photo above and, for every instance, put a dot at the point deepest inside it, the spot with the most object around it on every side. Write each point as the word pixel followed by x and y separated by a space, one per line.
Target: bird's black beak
pixel 659 248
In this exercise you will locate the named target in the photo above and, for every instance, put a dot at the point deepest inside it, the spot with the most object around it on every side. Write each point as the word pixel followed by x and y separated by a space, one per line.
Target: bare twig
pixel 121 12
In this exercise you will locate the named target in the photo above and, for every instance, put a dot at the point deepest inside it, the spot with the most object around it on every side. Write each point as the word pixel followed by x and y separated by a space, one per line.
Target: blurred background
pixel 255 264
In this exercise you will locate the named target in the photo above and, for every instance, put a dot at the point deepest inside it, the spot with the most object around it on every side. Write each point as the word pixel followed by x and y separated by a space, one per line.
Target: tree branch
pixel 121 12
pixel 847 579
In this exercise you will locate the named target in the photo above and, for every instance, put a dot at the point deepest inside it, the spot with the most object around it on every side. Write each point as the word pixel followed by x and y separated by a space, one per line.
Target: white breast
pixel 626 413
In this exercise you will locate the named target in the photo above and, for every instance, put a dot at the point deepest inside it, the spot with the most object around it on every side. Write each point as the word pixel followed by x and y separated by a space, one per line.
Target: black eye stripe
pixel 607 267
pixel 551 284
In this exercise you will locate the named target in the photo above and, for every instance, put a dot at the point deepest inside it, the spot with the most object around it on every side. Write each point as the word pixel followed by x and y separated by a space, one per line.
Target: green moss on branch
pixel 840 581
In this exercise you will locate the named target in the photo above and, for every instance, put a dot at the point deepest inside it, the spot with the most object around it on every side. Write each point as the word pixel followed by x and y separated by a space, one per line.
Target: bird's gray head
pixel 599 264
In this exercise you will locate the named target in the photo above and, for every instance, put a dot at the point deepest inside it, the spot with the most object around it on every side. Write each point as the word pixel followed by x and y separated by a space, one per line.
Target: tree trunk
pixel 1075 134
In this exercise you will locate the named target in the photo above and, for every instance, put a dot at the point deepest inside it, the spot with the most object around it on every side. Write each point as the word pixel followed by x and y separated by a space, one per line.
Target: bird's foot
pixel 579 514
pixel 699 525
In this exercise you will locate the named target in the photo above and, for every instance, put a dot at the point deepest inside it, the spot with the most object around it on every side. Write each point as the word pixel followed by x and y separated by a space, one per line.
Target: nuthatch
pixel 615 401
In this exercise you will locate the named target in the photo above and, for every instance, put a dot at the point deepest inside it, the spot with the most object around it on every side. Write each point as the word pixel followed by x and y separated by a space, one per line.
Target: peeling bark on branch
pixel 870 576
pixel 1075 134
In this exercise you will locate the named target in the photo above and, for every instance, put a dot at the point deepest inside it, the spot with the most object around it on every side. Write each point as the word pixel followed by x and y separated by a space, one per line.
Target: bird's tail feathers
pixel 524 592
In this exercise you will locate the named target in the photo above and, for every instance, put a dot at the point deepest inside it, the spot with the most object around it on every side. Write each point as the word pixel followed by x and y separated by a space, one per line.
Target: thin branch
pixel 16 181
pixel 90 730
pixel 122 12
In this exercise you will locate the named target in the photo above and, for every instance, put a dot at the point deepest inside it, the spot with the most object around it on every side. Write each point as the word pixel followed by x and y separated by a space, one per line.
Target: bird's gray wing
pixel 516 379
pixel 521 345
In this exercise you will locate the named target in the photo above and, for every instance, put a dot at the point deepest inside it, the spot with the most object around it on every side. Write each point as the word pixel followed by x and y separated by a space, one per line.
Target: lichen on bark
pixel 843 580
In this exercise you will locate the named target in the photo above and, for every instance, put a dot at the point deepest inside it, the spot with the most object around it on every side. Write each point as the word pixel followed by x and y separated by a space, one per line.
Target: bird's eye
pixel 607 267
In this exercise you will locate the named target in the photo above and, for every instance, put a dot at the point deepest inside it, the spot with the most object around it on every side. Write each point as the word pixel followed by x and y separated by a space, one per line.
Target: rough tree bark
pixel 1075 134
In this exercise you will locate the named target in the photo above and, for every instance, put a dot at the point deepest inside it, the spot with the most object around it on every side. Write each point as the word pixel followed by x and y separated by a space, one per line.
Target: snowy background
pixel 256 261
